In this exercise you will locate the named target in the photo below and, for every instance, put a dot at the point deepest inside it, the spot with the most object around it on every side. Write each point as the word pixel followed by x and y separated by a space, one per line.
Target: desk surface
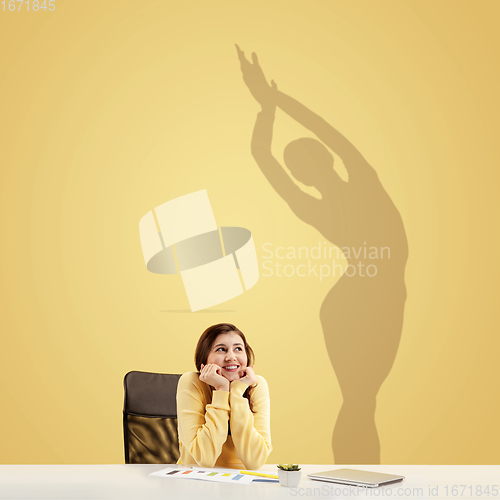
pixel 457 482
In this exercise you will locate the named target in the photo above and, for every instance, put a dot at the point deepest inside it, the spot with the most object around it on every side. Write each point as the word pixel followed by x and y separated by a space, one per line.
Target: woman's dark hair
pixel 207 340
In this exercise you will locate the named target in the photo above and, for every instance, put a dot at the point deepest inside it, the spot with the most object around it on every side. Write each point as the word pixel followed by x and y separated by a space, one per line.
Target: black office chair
pixel 150 418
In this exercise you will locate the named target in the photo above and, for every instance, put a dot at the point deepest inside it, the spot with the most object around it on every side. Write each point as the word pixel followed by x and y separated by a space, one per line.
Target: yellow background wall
pixel 108 109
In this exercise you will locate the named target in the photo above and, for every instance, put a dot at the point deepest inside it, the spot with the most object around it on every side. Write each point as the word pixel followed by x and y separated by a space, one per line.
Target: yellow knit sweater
pixel 203 418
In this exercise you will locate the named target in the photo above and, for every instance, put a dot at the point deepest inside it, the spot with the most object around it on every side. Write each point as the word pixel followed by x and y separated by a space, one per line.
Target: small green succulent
pixel 288 467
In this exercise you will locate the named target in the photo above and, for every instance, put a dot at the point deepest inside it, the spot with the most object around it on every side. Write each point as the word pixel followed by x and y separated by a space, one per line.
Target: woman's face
pixel 228 351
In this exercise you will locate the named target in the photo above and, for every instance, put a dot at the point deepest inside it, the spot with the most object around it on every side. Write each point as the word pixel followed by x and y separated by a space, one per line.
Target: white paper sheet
pixel 200 474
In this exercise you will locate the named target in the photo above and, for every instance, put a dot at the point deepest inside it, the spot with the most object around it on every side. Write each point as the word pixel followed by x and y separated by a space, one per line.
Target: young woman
pixel 223 410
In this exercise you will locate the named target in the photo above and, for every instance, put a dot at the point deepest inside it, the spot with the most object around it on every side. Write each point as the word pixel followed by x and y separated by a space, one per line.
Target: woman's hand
pixel 249 376
pixel 211 375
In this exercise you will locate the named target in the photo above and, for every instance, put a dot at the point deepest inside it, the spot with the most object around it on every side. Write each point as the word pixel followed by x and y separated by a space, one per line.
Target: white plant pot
pixel 289 478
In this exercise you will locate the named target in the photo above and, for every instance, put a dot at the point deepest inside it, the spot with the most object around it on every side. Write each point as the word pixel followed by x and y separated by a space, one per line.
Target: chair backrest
pixel 150 418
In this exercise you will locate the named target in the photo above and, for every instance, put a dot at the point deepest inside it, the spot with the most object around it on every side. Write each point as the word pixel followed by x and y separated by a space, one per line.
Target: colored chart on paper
pixel 204 475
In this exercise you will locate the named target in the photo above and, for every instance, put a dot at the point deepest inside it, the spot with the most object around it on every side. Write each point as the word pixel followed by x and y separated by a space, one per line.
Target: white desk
pixel 123 482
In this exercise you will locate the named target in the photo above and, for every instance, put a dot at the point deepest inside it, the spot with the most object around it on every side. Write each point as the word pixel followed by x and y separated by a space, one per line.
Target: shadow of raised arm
pixel 354 162
pixel 302 204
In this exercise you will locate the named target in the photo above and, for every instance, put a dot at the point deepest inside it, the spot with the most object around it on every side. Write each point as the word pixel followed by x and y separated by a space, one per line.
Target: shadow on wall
pixel 362 315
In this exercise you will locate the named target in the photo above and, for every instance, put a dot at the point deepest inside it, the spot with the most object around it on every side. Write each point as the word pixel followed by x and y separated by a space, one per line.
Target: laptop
pixel 354 477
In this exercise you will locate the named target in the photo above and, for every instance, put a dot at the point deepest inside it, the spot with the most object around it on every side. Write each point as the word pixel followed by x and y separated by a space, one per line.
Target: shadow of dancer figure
pixel 362 315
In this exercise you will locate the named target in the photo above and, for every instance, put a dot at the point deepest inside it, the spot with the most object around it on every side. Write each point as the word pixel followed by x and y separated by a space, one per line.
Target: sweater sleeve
pixel 202 429
pixel 251 432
